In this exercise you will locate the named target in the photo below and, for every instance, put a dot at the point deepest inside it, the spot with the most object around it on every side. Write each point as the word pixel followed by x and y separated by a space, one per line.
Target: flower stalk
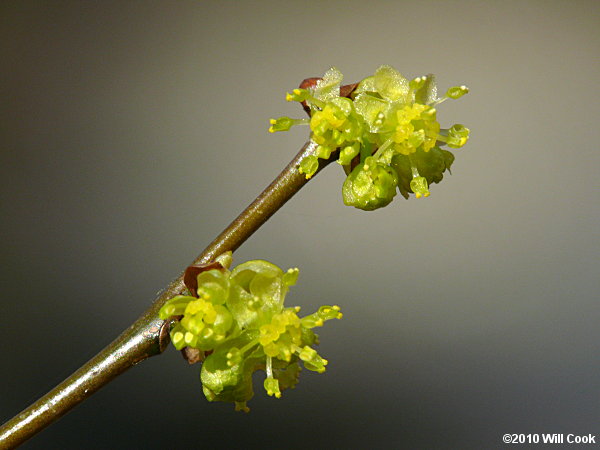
pixel 149 335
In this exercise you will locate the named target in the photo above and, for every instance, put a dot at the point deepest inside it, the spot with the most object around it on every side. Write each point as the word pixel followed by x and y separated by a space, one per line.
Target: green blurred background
pixel 132 132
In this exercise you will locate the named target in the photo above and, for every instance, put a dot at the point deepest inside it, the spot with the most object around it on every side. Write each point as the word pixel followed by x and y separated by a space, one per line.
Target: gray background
pixel 133 132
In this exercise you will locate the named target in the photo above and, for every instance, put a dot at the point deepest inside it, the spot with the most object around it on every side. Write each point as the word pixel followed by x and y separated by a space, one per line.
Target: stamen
pixel 314 101
pixel 177 337
pixel 248 346
pixel 296 349
pixel 438 101
pixel 383 148
pixel 269 367
pixel 415 172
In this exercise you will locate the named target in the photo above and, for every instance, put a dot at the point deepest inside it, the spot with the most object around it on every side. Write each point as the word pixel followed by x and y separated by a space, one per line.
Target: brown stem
pixel 148 335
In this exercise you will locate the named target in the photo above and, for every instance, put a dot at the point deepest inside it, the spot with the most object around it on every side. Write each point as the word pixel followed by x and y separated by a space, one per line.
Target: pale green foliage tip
pixel 387 134
pixel 240 318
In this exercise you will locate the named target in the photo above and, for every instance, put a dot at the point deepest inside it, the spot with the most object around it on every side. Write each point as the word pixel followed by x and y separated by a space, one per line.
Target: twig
pixel 148 335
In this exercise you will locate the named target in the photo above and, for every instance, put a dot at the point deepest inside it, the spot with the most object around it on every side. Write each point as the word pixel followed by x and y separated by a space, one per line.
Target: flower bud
pixel 457 92
pixel 281 124
pixel 312 360
pixel 348 153
pixel 297 95
pixel 272 387
pixel 370 185
pixel 458 136
pixel 309 166
pixel 419 186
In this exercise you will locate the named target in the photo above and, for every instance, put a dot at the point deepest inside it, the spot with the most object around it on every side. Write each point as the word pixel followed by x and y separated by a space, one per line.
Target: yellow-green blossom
pixel 240 319
pixel 388 118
